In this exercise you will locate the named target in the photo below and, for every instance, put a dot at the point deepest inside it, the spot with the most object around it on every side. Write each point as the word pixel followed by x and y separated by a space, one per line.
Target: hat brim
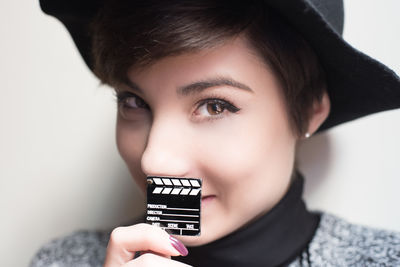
pixel 357 84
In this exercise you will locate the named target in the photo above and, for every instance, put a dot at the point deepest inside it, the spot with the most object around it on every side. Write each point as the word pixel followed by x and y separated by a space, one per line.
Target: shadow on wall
pixel 314 158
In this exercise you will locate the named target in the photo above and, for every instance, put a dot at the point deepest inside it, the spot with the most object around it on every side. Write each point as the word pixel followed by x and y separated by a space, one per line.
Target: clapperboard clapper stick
pixel 174 204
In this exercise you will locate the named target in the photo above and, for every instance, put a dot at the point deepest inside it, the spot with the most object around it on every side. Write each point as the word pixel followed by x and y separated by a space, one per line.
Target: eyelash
pixel 121 97
pixel 225 103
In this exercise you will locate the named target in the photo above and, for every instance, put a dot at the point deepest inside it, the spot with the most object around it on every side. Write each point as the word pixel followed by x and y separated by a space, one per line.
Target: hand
pixel 156 246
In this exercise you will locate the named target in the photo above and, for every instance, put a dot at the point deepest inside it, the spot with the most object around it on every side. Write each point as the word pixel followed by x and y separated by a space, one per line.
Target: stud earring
pixel 307 135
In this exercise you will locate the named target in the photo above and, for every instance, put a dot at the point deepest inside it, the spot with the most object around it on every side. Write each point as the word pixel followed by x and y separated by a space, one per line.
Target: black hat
pixel 357 84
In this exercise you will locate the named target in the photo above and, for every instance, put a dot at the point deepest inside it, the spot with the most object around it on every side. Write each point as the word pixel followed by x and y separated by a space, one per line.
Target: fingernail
pixel 178 246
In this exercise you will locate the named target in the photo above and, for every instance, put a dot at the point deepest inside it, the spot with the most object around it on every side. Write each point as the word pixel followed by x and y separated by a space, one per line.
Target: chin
pixel 207 235
pixel 194 241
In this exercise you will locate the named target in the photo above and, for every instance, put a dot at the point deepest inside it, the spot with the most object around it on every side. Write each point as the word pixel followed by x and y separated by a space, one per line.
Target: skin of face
pixel 245 155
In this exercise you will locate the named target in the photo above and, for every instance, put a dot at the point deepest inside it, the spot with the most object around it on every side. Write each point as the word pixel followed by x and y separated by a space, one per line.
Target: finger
pixel 149 259
pixel 144 252
pixel 125 241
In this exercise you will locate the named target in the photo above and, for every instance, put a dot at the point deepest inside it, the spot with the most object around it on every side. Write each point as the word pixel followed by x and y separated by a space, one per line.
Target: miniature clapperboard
pixel 174 204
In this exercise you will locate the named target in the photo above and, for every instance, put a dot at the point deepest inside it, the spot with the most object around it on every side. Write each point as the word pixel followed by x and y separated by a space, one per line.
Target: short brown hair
pixel 137 33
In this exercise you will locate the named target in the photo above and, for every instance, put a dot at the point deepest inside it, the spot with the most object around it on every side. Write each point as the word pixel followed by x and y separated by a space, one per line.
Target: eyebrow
pixel 133 86
pixel 199 86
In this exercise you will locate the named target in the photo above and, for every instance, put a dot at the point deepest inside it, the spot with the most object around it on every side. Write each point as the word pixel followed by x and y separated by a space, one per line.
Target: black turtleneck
pixel 275 239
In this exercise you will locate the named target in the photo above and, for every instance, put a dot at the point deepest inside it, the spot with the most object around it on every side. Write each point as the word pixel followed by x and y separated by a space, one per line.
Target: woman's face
pixel 219 115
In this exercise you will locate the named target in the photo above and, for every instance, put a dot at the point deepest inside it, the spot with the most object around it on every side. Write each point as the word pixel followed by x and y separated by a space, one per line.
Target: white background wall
pixel 59 168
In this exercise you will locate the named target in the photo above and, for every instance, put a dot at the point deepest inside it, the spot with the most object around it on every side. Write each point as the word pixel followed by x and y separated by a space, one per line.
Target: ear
pixel 319 113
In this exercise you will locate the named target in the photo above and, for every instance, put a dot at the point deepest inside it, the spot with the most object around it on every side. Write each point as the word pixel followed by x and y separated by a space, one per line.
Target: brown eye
pixel 128 100
pixel 131 107
pixel 215 108
pixel 134 102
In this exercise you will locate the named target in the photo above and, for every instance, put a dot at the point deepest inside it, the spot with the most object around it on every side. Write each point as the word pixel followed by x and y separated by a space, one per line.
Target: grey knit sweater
pixel 335 243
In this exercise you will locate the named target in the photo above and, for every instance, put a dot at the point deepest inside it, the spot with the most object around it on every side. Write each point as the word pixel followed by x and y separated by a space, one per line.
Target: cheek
pixel 250 153
pixel 239 147
pixel 131 141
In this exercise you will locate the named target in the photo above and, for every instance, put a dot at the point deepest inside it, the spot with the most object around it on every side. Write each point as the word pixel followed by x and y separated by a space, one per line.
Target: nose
pixel 167 151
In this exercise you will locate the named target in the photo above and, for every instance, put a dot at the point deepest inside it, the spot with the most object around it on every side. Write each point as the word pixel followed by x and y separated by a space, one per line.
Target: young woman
pixel 224 91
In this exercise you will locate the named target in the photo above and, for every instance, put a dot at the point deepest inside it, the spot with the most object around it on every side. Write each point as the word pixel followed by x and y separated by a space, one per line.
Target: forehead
pixel 234 60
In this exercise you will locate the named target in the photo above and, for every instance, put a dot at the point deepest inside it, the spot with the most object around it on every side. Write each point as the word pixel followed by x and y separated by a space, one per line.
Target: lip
pixel 206 200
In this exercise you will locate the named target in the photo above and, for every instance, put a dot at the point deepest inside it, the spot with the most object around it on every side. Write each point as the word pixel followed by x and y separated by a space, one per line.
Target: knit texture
pixel 335 243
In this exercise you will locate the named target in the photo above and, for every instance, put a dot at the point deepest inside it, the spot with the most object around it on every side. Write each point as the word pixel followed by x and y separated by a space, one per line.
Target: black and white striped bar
pixel 174 204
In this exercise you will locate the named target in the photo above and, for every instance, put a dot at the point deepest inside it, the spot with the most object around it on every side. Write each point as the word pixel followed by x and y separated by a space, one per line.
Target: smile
pixel 206 200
